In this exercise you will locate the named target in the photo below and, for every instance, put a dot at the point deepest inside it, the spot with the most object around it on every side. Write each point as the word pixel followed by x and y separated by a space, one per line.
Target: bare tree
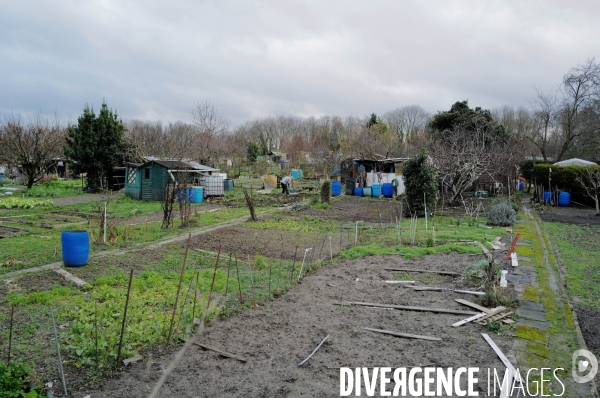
pixel 31 145
pixel 407 122
pixel 466 154
pixel 581 86
pixel 590 181
pixel 210 124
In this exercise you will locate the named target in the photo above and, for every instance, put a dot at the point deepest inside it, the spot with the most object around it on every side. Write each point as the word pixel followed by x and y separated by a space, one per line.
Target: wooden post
pixel 227 282
pixel 237 270
pixel 195 296
pixel 270 272
pixel 213 279
pixel 124 318
pixel 251 279
pixel 12 312
pixel 96 333
pixel 187 247
pixel 293 265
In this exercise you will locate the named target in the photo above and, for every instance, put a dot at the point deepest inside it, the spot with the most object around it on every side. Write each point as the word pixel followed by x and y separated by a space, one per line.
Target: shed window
pixel 146 174
pixel 131 176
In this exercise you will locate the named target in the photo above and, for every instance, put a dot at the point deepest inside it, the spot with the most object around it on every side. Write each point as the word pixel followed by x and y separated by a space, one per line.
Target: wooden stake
pixel 220 352
pixel 12 312
pixel 187 247
pixel 195 296
pixel 411 308
pixel 237 270
pixel 96 333
pixel 251 280
pixel 270 272
pixel 60 366
pixel 409 336
pixel 124 318
pixel 184 303
pixel 330 250
pixel 227 282
pixel 293 265
pixel 213 279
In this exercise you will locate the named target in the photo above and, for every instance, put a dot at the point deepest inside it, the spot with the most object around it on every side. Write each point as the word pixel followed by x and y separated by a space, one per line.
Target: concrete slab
pixel 524 259
pixel 530 314
pixel 534 324
pixel 532 305
pixel 522 279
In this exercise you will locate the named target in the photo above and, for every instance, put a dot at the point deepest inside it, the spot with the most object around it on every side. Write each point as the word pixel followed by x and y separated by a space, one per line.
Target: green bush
pixel 419 181
pixel 502 214
pixel 14 380
pixel 18 203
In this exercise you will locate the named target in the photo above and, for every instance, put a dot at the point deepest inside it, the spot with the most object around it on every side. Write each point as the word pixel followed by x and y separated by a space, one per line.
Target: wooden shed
pixel 147 181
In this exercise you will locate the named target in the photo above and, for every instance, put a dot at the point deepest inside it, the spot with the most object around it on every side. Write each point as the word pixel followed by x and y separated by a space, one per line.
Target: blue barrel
pixel 376 190
pixel 358 191
pixel 336 188
pixel 75 248
pixel 227 184
pixel 190 195
pixel 198 195
pixel 301 174
pixel 387 189
pixel 547 197
pixel 521 186
pixel 367 191
pixel 295 174
pixel 564 199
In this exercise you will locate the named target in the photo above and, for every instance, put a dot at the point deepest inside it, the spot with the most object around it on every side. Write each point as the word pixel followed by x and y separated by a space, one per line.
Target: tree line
pixel 559 123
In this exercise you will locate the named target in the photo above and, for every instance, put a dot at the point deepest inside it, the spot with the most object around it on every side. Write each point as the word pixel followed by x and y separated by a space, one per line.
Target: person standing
pixel 285 185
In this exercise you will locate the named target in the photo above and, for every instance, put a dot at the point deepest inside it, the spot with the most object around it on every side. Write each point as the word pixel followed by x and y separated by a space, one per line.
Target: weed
pixel 493 326
pixel 14 380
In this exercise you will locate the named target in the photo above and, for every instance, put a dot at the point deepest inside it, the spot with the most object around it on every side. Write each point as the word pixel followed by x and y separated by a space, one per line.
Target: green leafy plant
pixel 19 203
pixel 325 191
pixel 14 380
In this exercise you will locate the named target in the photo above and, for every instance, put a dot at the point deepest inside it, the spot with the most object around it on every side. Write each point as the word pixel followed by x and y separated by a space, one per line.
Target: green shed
pixel 147 181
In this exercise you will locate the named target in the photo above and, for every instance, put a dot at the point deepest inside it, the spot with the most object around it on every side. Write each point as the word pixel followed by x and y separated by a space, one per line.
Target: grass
pixel 55 189
pixel 579 248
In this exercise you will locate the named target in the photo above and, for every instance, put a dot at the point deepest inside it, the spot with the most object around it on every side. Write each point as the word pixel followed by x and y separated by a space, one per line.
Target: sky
pixel 155 59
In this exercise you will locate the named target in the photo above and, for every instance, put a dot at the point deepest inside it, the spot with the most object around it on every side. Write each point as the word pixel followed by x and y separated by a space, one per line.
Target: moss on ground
pixel 531 294
pixel 529 333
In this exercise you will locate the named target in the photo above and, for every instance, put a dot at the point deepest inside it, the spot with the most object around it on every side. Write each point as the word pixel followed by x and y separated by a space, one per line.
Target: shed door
pixel 147 183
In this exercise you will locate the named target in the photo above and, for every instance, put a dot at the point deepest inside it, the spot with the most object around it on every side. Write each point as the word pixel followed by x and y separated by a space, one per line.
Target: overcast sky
pixel 155 59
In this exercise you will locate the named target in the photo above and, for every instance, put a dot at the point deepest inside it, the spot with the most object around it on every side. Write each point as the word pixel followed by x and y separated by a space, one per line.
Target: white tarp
pixel 575 162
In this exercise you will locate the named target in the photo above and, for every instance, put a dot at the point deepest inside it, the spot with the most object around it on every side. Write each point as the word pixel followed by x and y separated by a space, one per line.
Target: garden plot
pixel 48 220
pixel 278 335
pixel 9 232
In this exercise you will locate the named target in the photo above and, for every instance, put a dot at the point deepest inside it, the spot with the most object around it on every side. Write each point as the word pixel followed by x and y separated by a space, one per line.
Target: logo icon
pixel 584 362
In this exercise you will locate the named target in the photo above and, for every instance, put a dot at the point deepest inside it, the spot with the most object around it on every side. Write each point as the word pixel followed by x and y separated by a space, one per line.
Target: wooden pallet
pixel 498 317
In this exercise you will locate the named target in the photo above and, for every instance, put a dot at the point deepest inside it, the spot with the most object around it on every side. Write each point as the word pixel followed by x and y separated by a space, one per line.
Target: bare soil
pixel 278 335
pixel 571 215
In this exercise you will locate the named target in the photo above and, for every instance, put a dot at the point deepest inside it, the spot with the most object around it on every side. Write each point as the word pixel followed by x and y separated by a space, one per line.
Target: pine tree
pixel 94 144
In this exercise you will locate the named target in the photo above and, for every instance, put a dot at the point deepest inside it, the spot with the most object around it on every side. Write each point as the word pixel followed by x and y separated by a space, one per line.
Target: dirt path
pixel 278 335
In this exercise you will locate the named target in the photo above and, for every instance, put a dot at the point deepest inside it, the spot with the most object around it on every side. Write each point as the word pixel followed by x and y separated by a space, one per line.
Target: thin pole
pixel 356 234
pixel 195 296
pixel 270 271
pixel 227 282
pixel 213 279
pixel 12 312
pixel 96 332
pixel 237 270
pixel 251 279
pixel 425 203
pixel 184 302
pixel 187 247
pixel 330 249
pixel 104 240
pixel 124 318
pixel 293 265
pixel 60 367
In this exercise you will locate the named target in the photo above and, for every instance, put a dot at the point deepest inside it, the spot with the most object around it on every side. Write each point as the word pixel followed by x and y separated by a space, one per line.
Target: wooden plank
pixel 469 292
pixel 473 305
pixel 399 281
pixel 425 271
pixel 500 354
pixel 498 317
pixel 410 308
pixel 494 312
pixel 220 352
pixel 69 276
pixel 485 250
pixel 406 335
pixel 473 318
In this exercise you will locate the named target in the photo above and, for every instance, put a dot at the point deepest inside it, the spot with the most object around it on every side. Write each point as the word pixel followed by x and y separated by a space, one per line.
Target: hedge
pixel 562 179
